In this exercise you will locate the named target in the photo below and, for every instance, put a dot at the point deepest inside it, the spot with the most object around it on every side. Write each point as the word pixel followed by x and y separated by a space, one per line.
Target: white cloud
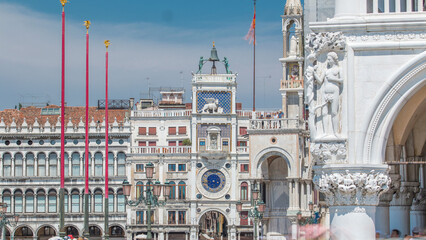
pixel 30 55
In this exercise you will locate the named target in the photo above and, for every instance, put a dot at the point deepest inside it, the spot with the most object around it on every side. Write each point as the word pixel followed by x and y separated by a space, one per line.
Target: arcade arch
pixel 213 224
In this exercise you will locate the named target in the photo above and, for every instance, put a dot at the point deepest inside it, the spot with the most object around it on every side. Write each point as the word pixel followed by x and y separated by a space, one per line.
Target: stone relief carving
pixel 324 83
pixel 212 106
pixel 331 152
pixel 352 188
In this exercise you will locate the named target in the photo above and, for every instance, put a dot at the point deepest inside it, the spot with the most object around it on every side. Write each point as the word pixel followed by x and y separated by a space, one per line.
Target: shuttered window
pixel 142 130
pixel 182 130
pixel 152 131
pixel 172 130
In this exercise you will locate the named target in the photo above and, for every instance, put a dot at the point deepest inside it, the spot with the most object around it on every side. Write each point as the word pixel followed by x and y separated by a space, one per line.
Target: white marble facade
pixel 374 151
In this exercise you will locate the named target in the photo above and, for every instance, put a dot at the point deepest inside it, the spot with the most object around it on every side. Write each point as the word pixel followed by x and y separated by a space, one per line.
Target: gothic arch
pixel 386 106
pixel 265 154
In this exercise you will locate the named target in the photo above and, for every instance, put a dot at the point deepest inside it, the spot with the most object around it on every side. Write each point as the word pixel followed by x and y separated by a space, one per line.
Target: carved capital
pixel 406 193
pixel 352 188
pixel 419 201
pixel 329 152
pixel 325 42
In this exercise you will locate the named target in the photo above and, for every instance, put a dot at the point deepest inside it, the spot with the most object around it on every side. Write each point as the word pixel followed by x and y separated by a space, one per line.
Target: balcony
pixel 243 149
pixel 161 149
pixel 274 124
pixel 214 78
pixel 291 84
pixel 161 113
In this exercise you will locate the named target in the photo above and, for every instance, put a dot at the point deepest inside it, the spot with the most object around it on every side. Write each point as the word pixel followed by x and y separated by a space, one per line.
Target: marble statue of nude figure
pixel 330 82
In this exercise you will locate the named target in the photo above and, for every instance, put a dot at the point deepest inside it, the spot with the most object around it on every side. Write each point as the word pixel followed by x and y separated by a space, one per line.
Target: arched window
pixel 7 199
pixel 23 233
pixel 98 164
pixel 53 164
pixel 90 164
pixel 75 161
pixel 41 167
pixel 18 201
pixel 52 201
pixel 110 164
pixel 75 201
pixel 7 165
pixel 66 164
pixel 172 194
pixel 139 189
pixel 110 200
pixel 41 201
pixel 95 232
pixel 29 201
pixel 18 164
pixel 181 190
pixel 66 197
pixel 98 200
pixel 121 164
pixel 116 231
pixel 121 201
pixel 244 191
pixel 30 164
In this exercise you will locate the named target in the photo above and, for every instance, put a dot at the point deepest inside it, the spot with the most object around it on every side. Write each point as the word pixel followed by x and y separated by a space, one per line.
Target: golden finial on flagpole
pixel 213 43
pixel 107 43
pixel 63 4
pixel 87 24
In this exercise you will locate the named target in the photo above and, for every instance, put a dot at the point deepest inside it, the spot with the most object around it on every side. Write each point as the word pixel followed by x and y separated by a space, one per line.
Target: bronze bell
pixel 213 54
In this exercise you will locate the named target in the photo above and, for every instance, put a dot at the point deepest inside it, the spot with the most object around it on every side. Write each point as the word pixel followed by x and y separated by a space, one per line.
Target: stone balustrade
pixel 243 149
pixel 395 6
pixel 286 84
pixel 214 78
pixel 161 149
pixel 161 113
pixel 70 127
pixel 274 124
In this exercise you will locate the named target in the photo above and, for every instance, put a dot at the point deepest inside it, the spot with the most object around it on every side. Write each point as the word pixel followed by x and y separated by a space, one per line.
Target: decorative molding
pixel 385 104
pixel 325 42
pixel 329 152
pixel 348 188
pixel 396 36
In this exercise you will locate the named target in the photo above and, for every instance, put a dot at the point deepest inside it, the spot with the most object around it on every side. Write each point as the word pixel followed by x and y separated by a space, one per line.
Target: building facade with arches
pixel 30 170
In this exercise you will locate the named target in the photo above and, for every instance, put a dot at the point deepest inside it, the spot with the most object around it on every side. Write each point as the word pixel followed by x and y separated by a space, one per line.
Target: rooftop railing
pixel 274 124
pixel 161 149
pixel 161 113
pixel 395 6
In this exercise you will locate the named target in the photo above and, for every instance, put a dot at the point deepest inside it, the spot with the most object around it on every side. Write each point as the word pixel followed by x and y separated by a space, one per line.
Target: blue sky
pixel 150 39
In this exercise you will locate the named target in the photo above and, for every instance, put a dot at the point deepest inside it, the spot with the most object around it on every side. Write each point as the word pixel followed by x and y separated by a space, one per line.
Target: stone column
pixel 301 106
pixel 352 196
pixel 399 210
pixel 382 210
pixel 418 209
pixel 294 229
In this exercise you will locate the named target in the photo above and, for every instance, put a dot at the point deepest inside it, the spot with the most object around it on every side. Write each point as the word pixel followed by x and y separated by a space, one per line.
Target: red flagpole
pixel 63 101
pixel 62 172
pixel 86 155
pixel 106 141
pixel 86 190
pixel 106 123
pixel 254 61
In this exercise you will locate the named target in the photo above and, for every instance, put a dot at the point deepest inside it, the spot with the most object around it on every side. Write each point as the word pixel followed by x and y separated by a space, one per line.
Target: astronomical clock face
pixel 213 181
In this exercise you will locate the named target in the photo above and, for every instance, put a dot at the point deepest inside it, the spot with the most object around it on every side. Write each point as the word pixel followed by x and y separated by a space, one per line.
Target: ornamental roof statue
pixel 293 7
